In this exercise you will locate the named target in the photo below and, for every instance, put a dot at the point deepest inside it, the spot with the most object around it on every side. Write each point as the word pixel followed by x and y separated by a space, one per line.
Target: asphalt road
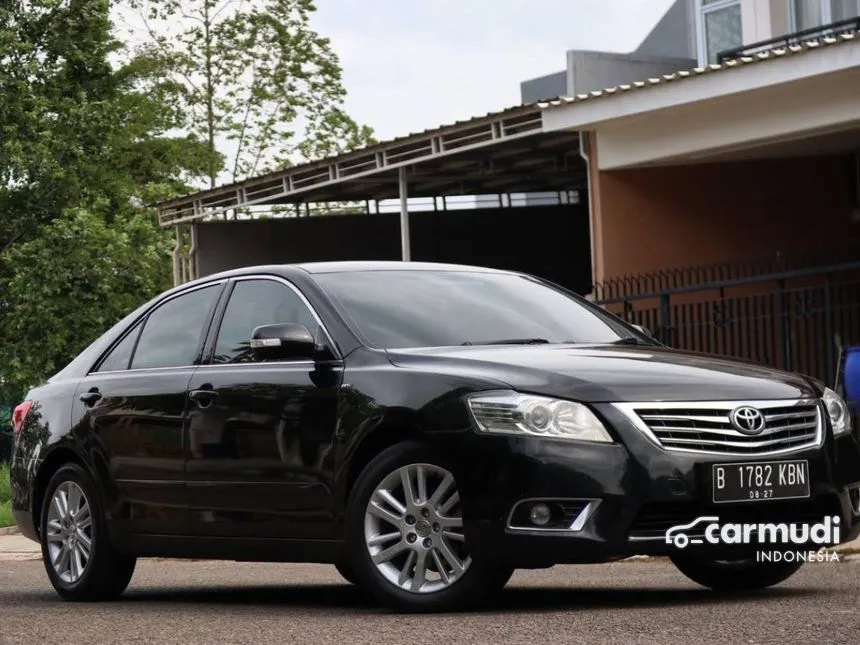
pixel 223 603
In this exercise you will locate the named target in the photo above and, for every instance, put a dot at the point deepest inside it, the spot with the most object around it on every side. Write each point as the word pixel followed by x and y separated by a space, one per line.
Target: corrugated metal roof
pixel 735 63
pixel 379 145
pixel 527 112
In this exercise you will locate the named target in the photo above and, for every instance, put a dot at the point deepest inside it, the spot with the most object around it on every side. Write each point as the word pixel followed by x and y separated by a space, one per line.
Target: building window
pixel 719 27
pixel 809 14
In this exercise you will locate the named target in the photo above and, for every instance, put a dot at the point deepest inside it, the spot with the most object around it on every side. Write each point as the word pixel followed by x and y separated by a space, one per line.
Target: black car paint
pixel 334 413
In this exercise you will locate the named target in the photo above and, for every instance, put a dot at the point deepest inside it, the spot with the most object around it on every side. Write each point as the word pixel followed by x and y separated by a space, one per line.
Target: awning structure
pixel 535 148
pixel 499 153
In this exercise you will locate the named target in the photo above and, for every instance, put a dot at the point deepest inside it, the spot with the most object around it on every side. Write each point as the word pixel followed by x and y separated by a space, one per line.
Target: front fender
pixel 383 405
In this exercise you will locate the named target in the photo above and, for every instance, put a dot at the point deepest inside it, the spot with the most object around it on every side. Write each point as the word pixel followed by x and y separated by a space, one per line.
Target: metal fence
pixel 793 320
pixel 760 267
pixel 848 26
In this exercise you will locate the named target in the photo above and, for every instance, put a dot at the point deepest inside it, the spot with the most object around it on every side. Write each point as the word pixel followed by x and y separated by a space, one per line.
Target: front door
pixel 260 433
pixel 131 411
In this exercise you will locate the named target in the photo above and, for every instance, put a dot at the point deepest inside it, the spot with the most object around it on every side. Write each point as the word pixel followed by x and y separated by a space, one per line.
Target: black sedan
pixel 426 428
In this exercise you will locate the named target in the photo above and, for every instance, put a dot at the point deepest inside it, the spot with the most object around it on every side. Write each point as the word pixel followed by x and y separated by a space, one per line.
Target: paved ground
pixel 649 602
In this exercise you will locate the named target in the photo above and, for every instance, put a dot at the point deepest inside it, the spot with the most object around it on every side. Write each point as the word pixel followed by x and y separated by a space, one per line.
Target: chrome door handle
pixel 91 397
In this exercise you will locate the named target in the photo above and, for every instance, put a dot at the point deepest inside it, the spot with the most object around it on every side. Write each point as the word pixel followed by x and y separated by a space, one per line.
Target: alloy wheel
pixel 69 532
pixel 413 529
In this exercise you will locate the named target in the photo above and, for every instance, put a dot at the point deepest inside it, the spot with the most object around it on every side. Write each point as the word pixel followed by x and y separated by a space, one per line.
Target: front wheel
pixel 346 571
pixel 406 539
pixel 79 558
pixel 738 575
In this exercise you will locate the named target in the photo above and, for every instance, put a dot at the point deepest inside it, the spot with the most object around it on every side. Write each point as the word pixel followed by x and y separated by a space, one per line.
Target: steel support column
pixel 177 260
pixel 404 216
pixel 192 253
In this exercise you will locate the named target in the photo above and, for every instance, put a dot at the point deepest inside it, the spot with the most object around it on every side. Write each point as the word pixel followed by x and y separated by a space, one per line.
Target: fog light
pixel 540 515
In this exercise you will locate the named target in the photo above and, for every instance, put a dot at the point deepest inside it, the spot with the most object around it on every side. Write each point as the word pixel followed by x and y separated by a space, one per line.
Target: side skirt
pixel 238 549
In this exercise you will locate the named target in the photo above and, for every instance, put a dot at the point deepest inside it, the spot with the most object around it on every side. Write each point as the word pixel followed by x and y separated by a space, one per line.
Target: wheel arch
pixel 388 432
pixel 60 456
pixel 56 459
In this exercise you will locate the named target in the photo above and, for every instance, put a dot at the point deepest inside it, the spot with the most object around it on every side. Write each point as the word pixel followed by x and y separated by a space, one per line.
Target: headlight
pixel 837 410
pixel 538 416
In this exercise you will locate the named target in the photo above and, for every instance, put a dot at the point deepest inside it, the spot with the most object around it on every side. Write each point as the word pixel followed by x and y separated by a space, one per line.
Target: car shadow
pixel 512 599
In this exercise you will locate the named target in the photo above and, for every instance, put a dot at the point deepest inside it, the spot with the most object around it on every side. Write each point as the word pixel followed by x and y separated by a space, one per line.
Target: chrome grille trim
pixel 703 427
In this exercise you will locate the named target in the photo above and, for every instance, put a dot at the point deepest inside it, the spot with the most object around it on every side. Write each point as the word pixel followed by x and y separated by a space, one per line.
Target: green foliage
pixel 88 138
pixel 73 282
pixel 6 518
pixel 74 130
pixel 84 145
pixel 5 485
pixel 53 78
pixel 256 75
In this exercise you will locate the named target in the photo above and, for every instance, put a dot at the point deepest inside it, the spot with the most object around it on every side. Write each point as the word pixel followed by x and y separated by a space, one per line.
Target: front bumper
pixel 635 489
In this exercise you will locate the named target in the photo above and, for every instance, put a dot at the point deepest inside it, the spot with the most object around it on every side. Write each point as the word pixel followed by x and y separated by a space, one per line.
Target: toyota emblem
pixel 747 420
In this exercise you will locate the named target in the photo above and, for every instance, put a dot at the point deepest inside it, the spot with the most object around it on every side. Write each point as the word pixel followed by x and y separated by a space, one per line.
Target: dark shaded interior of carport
pixel 549 240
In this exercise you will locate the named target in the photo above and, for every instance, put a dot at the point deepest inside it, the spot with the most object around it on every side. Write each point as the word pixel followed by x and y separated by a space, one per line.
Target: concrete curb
pixel 849 548
pixel 9 530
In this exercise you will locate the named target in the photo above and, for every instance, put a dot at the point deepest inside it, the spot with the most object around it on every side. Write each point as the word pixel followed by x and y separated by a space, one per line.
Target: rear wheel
pixel 736 575
pixel 406 539
pixel 79 558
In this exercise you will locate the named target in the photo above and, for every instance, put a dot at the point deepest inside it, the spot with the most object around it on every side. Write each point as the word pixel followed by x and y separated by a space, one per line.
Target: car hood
pixel 610 373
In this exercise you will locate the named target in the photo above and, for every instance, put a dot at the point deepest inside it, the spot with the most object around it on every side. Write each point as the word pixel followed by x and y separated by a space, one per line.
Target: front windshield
pixel 398 309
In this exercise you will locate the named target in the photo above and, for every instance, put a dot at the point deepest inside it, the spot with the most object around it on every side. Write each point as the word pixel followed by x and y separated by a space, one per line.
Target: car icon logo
pixel 747 420
pixel 677 535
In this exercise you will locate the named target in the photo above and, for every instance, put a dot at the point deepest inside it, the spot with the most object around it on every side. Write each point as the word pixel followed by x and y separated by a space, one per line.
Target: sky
pixel 410 65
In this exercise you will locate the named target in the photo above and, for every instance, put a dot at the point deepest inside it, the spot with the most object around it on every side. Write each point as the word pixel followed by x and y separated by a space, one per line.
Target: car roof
pixel 348 266
pixel 378 265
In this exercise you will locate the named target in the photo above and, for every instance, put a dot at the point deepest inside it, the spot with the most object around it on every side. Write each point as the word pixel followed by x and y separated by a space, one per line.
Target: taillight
pixel 20 415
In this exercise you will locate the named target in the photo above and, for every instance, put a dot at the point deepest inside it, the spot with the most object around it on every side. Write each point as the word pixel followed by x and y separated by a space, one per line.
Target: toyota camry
pixel 425 428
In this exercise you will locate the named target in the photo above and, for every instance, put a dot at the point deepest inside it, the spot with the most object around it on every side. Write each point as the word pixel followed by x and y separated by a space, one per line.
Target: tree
pixel 73 281
pixel 256 76
pixel 53 75
pixel 84 144
pixel 73 129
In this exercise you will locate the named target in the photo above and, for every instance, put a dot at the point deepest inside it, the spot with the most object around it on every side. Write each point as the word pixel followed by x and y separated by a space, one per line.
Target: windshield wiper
pixel 630 340
pixel 509 341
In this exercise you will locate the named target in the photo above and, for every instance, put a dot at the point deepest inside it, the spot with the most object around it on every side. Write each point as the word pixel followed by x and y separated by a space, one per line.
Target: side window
pixel 254 303
pixel 120 356
pixel 171 333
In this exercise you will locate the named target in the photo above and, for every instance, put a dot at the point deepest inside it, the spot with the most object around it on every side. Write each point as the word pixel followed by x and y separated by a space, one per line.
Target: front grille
pixel 653 520
pixel 706 427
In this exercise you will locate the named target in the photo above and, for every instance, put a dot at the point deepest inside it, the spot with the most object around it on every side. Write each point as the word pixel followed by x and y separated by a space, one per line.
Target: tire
pixel 742 575
pixel 106 572
pixel 415 536
pixel 498 578
pixel 346 572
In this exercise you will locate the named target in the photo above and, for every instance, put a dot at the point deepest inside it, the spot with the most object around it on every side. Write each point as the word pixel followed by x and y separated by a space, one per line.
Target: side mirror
pixel 643 330
pixel 282 341
pixel 851 377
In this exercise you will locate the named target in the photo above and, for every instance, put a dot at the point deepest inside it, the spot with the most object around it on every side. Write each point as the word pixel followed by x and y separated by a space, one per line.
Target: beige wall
pixel 780 18
pixel 647 219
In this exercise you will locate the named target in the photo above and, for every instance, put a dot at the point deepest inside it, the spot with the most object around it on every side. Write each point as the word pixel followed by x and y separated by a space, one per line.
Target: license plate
pixel 760 481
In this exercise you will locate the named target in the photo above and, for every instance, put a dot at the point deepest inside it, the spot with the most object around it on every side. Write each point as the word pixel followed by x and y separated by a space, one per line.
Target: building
pixel 716 173
pixel 693 33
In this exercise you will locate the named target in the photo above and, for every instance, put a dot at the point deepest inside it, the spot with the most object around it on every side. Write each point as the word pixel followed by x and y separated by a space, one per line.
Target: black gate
pixel 793 320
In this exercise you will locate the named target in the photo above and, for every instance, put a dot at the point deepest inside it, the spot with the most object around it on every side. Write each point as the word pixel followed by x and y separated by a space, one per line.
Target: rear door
pixel 131 409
